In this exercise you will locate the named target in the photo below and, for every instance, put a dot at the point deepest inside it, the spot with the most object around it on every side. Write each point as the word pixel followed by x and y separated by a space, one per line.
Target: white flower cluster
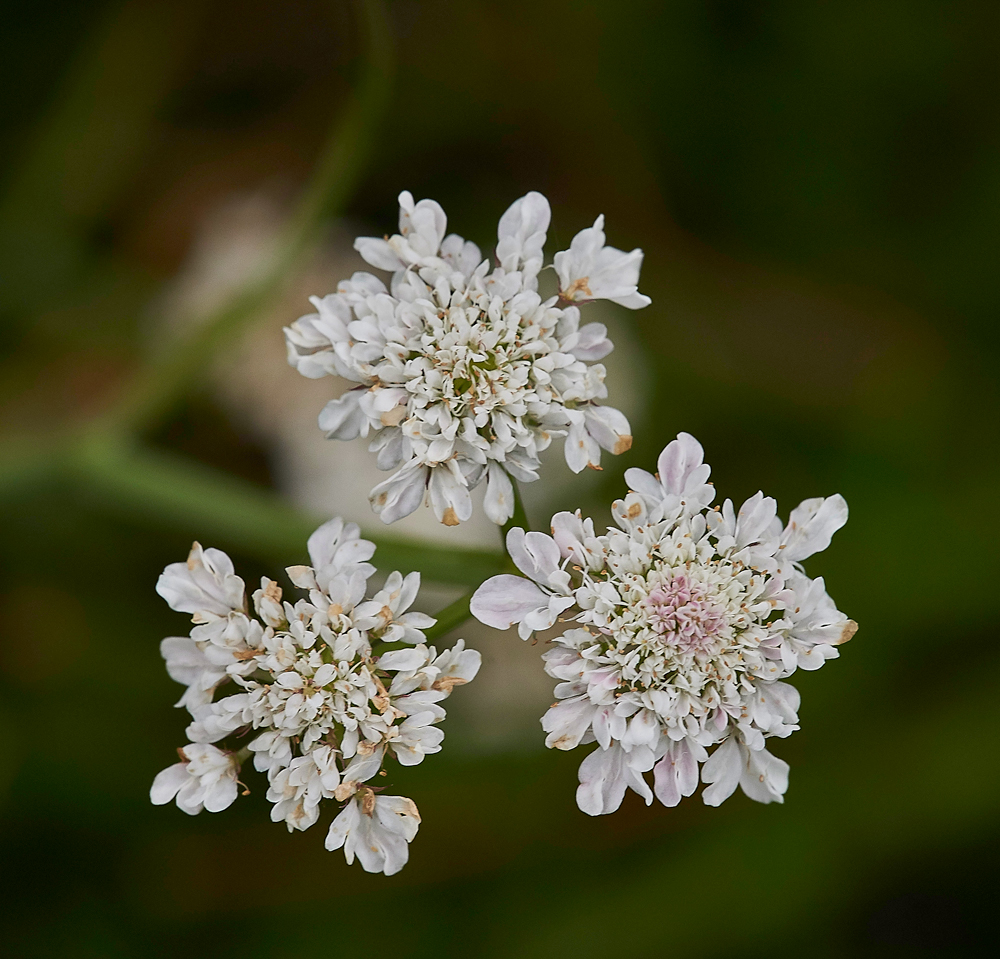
pixel 326 690
pixel 465 373
pixel 689 618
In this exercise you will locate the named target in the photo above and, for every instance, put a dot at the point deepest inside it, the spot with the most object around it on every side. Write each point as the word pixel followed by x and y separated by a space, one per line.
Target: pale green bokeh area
pixel 817 190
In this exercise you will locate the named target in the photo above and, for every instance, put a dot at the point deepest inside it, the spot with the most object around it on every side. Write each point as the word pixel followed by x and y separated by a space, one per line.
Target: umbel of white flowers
pixel 464 372
pixel 325 692
pixel 689 618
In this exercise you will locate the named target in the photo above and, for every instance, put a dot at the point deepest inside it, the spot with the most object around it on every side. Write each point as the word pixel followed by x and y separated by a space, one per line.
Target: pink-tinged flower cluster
pixel 323 692
pixel 684 613
pixel 687 622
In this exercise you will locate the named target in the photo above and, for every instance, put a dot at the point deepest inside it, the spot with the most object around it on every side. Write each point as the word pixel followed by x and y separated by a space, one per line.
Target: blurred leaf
pixel 340 167
pixel 87 147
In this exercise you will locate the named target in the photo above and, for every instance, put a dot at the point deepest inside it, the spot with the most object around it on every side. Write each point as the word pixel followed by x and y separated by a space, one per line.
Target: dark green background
pixel 817 189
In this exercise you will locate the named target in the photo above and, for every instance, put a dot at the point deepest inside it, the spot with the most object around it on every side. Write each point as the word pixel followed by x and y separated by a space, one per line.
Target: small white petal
pixel 764 777
pixel 499 500
pixel 811 527
pixel 722 772
pixel 505 600
pixel 535 554
pixel 378 253
pixel 521 234
pixel 401 494
pixel 343 418
pixel 591 270
pixel 603 781
pixel 167 783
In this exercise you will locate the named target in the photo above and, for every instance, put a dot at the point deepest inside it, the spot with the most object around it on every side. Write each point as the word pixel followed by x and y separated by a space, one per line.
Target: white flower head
pixel 465 374
pixel 687 622
pixel 324 691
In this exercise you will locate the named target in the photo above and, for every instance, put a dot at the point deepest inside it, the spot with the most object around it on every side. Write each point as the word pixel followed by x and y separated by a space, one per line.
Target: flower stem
pixel 453 615
pixel 155 487
pixel 519 519
pixel 156 388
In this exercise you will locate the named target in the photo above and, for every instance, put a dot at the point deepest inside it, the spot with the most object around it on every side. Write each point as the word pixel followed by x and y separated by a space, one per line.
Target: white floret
pixel 465 374
pixel 687 621
pixel 325 689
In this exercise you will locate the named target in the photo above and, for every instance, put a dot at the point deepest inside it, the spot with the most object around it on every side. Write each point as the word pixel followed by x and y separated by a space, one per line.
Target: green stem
pixel 153 391
pixel 149 486
pixel 451 617
pixel 519 519
pixel 26 465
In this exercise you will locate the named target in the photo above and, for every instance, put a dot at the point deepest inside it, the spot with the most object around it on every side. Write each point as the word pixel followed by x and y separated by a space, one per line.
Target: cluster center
pixel 685 615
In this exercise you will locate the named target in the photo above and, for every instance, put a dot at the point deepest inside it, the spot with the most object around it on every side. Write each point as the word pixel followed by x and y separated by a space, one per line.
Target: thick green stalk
pixel 150 486
pixel 451 617
pixel 519 519
pixel 457 612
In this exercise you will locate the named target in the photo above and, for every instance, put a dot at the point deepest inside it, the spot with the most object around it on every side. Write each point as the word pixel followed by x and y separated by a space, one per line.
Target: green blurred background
pixel 817 189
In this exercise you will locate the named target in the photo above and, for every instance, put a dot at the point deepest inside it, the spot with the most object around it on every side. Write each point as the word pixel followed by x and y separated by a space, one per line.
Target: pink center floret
pixel 683 614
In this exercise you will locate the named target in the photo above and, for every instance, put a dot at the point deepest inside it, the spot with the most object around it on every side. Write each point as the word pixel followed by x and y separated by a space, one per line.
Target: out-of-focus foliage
pixel 817 189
